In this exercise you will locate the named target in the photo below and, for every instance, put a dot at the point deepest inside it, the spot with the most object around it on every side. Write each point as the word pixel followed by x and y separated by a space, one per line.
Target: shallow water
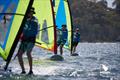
pixel 96 61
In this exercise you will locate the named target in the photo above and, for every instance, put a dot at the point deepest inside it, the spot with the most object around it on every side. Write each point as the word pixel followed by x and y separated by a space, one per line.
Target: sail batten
pixel 12 14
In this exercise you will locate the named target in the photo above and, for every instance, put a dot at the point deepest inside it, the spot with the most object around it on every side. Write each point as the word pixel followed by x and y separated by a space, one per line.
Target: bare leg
pixel 74 49
pixel 20 59
pixel 61 49
pixel 30 59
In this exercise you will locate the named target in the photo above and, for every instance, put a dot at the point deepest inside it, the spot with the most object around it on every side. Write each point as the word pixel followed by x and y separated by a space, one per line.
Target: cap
pixel 64 25
pixel 32 10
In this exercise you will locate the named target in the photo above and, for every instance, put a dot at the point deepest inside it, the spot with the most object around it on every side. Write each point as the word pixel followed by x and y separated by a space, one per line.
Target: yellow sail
pixel 44 14
pixel 11 17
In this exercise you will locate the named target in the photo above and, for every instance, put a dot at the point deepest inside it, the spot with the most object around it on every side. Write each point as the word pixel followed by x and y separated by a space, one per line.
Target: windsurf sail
pixel 12 17
pixel 46 35
pixel 63 16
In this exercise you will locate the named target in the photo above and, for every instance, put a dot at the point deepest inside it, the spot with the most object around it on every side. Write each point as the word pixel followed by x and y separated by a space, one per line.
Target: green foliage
pixel 96 21
pixel 117 4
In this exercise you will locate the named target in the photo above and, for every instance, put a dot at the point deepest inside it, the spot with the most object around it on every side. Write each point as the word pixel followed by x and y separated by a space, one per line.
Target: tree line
pixel 96 21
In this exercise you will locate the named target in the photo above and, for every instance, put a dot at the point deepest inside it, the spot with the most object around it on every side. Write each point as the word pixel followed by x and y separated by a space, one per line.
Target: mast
pixel 71 26
pixel 55 36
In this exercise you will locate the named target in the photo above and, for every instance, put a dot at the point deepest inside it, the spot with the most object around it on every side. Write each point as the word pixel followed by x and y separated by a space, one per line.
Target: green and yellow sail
pixel 46 34
pixel 11 17
pixel 51 13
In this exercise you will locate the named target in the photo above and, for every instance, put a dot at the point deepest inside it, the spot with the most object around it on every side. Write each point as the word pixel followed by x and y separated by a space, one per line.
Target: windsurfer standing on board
pixel 76 40
pixel 62 38
pixel 28 37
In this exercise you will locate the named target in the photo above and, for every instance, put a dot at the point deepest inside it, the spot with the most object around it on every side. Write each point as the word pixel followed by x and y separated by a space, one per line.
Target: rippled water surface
pixel 96 61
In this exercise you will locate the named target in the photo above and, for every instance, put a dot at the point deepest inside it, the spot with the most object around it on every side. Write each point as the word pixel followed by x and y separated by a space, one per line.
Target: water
pixel 96 61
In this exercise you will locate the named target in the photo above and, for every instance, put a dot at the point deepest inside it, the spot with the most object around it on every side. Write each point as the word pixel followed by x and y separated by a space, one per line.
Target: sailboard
pixel 12 18
pixel 63 16
pixel 46 35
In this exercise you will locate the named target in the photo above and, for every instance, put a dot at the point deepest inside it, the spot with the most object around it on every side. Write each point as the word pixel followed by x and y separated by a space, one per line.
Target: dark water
pixel 96 61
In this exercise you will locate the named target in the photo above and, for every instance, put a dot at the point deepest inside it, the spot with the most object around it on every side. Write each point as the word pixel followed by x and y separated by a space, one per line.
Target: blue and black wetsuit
pixel 29 34
pixel 76 39
pixel 30 30
pixel 62 37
